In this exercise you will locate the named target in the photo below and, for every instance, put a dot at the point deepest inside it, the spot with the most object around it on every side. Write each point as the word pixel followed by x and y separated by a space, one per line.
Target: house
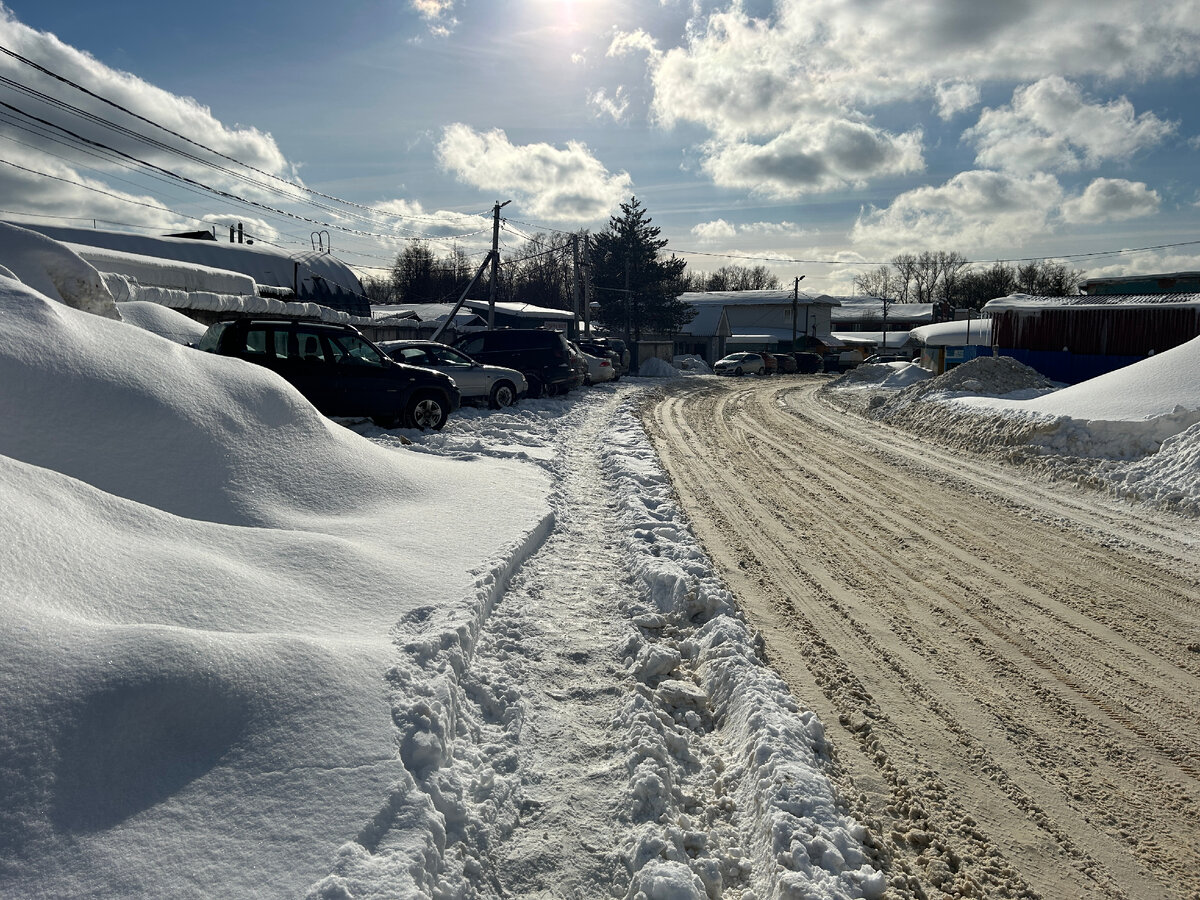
pixel 948 344
pixel 875 325
pixel 770 320
pixel 1072 339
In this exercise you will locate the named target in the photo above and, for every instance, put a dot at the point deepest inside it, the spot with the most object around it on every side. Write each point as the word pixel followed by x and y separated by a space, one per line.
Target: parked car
pixel 618 347
pixel 578 363
pixel 600 368
pixel 543 357
pixel 770 363
pixel 886 358
pixel 786 362
pixel 496 386
pixel 807 362
pixel 338 370
pixel 595 348
pixel 740 364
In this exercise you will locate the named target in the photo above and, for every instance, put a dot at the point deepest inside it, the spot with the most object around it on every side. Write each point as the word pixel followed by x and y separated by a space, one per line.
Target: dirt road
pixel 1010 673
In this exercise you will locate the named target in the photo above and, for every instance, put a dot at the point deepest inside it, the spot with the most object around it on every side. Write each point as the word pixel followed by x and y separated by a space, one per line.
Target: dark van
pixel 541 356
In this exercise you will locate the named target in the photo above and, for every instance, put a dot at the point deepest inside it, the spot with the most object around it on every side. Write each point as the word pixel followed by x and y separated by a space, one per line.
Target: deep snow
pixel 247 651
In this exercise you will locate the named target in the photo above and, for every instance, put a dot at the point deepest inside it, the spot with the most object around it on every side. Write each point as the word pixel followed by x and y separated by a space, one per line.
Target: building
pixel 1072 339
pixel 948 344
pixel 770 320
pixel 308 276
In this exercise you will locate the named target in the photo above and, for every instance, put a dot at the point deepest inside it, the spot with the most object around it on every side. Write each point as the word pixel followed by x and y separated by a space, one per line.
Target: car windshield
pixel 451 358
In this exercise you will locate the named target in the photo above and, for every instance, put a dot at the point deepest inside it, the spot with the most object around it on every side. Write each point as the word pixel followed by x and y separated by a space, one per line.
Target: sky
pixel 816 137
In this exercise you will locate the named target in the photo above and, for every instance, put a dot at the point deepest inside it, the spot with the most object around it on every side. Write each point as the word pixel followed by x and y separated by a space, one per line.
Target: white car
pixel 496 386
pixel 741 364
pixel 599 369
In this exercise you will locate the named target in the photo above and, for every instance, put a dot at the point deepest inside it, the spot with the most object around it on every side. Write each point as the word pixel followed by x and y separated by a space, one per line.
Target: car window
pixel 256 342
pixel 308 348
pixel 474 345
pixel 351 350
pixel 449 357
pixel 414 356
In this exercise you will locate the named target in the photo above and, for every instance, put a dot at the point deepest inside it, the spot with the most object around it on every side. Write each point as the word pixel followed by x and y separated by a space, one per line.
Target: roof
pixel 852 309
pixel 753 298
pixel 523 310
pixel 709 321
pixel 1090 301
pixel 960 333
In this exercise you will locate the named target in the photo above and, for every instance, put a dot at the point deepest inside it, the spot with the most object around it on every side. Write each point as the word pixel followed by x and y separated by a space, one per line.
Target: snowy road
pixel 1009 671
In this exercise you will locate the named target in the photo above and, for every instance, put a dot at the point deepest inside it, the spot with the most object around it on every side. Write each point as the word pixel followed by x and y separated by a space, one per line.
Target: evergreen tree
pixel 636 286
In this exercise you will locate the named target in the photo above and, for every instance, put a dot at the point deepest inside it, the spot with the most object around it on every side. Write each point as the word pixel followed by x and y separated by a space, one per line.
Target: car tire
pixel 427 410
pixel 504 393
pixel 737 371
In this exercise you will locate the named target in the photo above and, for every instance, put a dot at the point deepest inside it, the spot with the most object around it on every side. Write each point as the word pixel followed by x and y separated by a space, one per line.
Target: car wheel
pixel 427 410
pixel 737 371
pixel 550 390
pixel 535 386
pixel 503 394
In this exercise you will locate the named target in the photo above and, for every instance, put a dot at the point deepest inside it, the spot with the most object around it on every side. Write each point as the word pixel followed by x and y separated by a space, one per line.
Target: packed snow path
pixel 1010 669
pixel 606 727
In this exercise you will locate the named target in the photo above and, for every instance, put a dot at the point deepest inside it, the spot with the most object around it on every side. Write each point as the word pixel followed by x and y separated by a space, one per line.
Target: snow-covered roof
pixel 753 298
pixel 854 309
pixel 267 265
pixel 523 310
pixel 762 335
pixel 895 339
pixel 709 321
pixel 156 271
pixel 960 333
pixel 1096 301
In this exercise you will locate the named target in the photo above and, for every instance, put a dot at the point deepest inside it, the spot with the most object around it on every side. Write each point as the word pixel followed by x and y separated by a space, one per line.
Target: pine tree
pixel 637 287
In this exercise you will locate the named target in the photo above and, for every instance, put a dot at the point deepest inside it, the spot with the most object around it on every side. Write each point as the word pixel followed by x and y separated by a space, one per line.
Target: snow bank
pixel 53 270
pixel 699 670
pixel 162 321
pixel 200 579
pixel 1132 430
pixel 656 368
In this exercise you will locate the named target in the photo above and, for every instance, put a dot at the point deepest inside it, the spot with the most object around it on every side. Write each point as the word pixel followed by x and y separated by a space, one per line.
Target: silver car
pixel 741 364
pixel 496 386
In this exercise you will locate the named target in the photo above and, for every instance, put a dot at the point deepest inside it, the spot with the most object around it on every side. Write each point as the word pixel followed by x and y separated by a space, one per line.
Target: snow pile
pixel 1131 430
pixel 692 365
pixel 698 671
pixel 199 582
pixel 891 376
pixel 656 368
pixel 53 270
pixel 162 321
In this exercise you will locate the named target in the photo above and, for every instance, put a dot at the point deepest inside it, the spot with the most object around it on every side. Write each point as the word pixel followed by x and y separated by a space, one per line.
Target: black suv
pixel 541 356
pixel 338 370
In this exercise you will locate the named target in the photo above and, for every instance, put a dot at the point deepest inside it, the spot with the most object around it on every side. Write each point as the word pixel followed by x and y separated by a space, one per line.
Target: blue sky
pixel 819 137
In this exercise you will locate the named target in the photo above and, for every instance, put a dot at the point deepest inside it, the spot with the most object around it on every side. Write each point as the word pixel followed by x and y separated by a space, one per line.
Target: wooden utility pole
pixel 587 285
pixel 495 262
pixel 796 310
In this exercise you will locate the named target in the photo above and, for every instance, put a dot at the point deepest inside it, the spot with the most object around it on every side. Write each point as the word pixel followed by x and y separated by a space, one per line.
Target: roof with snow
pixel 522 310
pixel 853 309
pixel 960 333
pixel 1093 301
pixel 753 298
pixel 710 321
pixel 314 276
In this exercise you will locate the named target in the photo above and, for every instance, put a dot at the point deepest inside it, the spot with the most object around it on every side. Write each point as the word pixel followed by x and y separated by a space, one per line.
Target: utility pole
pixel 587 286
pixel 796 308
pixel 495 262
pixel 576 285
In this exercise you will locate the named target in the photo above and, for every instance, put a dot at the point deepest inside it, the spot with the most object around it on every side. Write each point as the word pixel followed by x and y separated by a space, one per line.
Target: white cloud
pixel 615 107
pixel 955 97
pixel 182 115
pixel 813 157
pixel 1111 200
pixel 718 230
pixel 564 185
pixel 625 42
pixel 970 211
pixel 714 232
pixel 1050 125
pixel 437 14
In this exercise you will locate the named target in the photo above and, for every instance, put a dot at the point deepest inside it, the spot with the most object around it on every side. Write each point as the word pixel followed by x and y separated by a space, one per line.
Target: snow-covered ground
pixel 246 651
pixel 1134 432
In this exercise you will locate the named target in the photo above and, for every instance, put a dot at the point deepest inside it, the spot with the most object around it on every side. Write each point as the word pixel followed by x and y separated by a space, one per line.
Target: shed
pixel 1073 339
pixel 948 344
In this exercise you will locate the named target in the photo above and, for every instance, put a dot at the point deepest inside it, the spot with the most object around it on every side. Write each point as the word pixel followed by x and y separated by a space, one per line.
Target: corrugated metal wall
pixel 1115 332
